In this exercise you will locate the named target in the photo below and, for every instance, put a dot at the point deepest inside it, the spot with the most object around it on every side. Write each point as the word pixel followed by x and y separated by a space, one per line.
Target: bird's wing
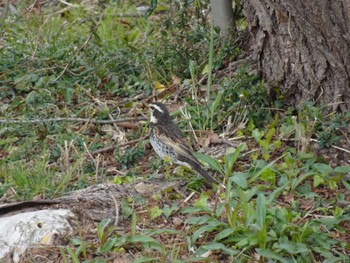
pixel 172 137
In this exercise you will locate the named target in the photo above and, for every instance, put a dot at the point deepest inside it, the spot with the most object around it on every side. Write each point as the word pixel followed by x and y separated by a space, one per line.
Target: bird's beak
pixel 149 109
pixel 147 106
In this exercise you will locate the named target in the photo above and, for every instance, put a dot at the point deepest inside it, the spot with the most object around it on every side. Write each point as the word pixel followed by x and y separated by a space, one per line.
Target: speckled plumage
pixel 160 148
pixel 167 141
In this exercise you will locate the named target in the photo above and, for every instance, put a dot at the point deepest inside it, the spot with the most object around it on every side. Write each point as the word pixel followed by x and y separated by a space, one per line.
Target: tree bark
pixel 223 15
pixel 302 48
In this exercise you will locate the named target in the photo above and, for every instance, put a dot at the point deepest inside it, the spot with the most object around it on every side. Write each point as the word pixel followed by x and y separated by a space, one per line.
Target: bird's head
pixel 159 113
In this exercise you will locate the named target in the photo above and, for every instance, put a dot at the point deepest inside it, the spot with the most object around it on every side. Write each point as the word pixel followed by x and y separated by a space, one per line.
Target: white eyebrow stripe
pixel 157 108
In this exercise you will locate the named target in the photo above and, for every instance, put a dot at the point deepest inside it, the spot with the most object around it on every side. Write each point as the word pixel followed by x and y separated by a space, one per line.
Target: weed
pixel 313 122
pixel 130 156
pixel 254 223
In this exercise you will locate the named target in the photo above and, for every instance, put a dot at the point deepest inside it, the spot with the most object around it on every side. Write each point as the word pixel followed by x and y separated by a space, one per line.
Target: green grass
pixel 283 201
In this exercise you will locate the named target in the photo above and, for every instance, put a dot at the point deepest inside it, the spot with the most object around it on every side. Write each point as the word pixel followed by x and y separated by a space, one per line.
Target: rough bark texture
pixel 303 48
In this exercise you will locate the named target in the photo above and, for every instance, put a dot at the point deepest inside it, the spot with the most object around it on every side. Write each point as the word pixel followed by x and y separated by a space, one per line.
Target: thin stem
pixel 210 69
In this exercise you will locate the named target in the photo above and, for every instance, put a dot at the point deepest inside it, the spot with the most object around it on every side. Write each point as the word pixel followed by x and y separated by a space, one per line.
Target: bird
pixel 168 141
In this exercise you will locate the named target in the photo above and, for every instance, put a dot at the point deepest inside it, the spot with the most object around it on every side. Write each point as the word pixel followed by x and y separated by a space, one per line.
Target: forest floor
pixel 75 81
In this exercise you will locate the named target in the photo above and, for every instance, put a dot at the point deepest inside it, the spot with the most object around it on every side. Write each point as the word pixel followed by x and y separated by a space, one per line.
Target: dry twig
pixel 32 121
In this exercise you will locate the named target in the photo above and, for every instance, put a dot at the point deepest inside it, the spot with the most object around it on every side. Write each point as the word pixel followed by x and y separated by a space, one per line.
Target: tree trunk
pixel 303 48
pixel 223 15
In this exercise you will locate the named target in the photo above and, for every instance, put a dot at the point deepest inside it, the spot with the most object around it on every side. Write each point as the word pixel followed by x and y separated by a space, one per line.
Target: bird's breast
pixel 161 148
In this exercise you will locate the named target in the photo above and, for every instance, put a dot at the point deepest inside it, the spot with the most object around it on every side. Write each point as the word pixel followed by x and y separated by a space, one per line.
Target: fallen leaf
pixel 177 222
pixel 208 139
pixel 204 141
pixel 122 259
pixel 175 80
pixel 159 87
pixel 307 204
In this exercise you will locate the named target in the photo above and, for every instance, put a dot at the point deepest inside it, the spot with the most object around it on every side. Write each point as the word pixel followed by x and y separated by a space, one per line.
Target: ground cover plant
pixel 69 70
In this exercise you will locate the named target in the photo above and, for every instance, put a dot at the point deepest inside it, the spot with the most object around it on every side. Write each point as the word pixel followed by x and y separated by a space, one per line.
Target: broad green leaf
pixel 251 125
pixel 205 69
pixel 329 257
pixel 108 245
pixel 257 134
pixel 198 220
pixel 76 241
pixel 63 255
pixel 146 241
pixel 221 247
pixel 126 209
pixel 121 241
pixel 223 234
pixel 81 249
pixel 270 134
pixel 260 211
pixel 268 176
pixel 143 259
pixel 132 35
pixel 216 223
pixel 306 156
pixel 267 253
pixel 216 103
pixel 68 95
pixel 202 201
pixel 213 164
pixel 133 223
pixel 243 242
pixel 168 210
pixel 73 256
pixel 256 176
pixel 99 260
pixel 323 168
pixel 231 158
pixel 162 231
pixel 347 185
pixel 286 130
pixel 333 183
pixel 277 144
pixel 155 212
pixel 294 248
pixel 342 169
pixel 301 178
pixel 202 230
pixel 141 239
pixel 264 144
pixel 240 179
pixel 332 221
pixel 192 210
pixel 318 180
pixel 102 226
pixel 275 193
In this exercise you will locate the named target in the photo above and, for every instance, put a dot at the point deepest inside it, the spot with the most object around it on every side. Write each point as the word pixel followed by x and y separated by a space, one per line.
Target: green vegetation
pixel 287 193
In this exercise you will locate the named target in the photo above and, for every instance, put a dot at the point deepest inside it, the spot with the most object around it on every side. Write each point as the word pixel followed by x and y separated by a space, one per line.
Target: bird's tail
pixel 197 167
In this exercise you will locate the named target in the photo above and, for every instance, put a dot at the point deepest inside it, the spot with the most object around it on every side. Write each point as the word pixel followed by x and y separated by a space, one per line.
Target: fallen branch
pixel 333 146
pixel 109 148
pixel 31 121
